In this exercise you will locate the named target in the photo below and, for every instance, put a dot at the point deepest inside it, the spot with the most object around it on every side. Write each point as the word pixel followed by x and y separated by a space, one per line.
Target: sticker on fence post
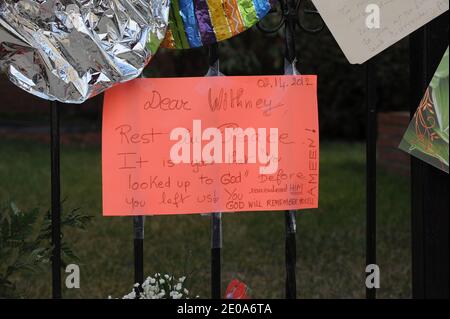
pixel 199 145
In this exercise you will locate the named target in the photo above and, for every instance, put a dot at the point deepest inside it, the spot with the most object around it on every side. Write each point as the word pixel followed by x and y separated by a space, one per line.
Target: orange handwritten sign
pixel 215 144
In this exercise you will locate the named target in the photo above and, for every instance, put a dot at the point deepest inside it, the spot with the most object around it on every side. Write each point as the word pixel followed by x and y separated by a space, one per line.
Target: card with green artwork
pixel 427 134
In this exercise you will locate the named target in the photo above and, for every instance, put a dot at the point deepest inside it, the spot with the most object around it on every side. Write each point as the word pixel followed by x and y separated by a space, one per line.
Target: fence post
pixel 55 199
pixel 216 247
pixel 429 185
pixel 138 244
pixel 371 170
pixel 138 231
pixel 216 218
pixel 290 15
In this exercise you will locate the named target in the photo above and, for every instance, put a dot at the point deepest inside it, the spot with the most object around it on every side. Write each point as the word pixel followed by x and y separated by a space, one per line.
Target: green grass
pixel 330 240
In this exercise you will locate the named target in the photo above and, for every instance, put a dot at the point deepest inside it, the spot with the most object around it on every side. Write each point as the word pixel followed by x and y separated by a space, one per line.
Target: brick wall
pixel 391 127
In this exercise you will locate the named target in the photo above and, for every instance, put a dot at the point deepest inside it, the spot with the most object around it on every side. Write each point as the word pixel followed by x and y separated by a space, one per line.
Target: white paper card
pixel 347 21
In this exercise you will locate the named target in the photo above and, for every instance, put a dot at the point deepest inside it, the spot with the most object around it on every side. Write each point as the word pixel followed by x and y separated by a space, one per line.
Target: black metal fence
pixel 429 186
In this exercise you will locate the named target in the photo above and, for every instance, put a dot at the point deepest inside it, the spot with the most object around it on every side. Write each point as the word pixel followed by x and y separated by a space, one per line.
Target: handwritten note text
pixel 216 144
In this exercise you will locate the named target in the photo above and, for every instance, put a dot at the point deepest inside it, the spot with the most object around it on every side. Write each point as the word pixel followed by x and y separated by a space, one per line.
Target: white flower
pixel 161 294
pixel 148 294
pixel 154 288
pixel 175 295
pixel 147 289
pixel 131 295
pixel 147 281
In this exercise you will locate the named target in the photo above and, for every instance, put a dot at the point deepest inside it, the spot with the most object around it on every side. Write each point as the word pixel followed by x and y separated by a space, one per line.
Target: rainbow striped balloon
pixel 194 23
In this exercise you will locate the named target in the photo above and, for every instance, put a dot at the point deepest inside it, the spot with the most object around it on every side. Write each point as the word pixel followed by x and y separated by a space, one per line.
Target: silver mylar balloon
pixel 71 50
